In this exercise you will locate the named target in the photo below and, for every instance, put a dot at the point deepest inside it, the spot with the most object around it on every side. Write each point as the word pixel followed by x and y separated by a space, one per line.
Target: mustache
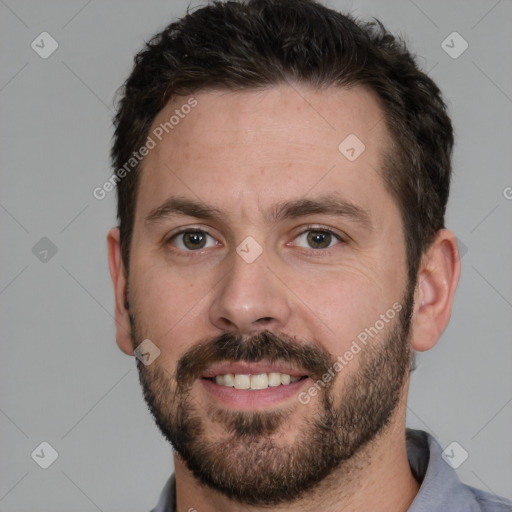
pixel 262 346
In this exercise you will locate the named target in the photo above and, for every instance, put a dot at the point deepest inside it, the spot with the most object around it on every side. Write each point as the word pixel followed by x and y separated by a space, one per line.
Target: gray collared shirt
pixel 440 491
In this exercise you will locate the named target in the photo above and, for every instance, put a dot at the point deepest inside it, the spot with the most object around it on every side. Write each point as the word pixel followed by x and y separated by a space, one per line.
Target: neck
pixel 378 478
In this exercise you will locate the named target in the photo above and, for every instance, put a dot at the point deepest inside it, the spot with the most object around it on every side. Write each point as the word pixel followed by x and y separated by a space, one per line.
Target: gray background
pixel 63 380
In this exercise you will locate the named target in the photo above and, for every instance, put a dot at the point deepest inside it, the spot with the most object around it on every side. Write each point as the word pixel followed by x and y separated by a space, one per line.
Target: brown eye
pixel 192 240
pixel 319 239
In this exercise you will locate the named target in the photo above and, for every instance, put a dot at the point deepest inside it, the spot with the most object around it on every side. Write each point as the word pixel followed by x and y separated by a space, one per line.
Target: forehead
pixel 257 147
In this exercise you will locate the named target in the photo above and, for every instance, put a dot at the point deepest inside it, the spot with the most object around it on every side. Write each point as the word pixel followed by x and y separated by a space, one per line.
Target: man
pixel 282 175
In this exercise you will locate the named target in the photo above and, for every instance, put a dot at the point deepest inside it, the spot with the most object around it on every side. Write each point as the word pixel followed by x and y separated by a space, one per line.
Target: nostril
pixel 227 323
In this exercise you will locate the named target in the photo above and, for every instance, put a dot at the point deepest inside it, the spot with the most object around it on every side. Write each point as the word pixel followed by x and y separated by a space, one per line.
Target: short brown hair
pixel 263 43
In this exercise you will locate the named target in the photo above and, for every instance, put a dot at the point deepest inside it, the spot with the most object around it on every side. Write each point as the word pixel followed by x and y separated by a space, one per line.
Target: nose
pixel 250 298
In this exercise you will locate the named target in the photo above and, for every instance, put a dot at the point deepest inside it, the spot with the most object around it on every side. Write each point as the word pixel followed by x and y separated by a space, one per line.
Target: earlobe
pixel 119 282
pixel 438 276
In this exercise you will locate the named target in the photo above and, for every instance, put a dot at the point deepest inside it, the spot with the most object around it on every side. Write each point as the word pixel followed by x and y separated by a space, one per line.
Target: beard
pixel 246 463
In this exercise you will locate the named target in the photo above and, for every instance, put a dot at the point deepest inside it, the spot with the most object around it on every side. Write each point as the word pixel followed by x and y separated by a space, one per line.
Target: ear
pixel 119 280
pixel 438 276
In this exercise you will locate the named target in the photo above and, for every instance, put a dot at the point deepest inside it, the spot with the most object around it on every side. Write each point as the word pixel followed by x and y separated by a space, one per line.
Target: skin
pixel 244 152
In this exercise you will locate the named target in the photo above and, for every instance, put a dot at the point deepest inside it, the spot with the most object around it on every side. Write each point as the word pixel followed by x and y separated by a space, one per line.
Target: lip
pixel 244 368
pixel 246 400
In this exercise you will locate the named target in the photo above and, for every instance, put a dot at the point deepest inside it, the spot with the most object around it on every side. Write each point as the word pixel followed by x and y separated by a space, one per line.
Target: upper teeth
pixel 260 381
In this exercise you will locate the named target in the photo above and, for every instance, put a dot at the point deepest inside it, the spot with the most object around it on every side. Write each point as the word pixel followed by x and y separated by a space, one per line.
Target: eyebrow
pixel 330 204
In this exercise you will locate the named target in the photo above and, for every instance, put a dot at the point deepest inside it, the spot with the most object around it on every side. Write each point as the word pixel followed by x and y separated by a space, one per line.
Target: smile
pixel 244 385
pixel 255 382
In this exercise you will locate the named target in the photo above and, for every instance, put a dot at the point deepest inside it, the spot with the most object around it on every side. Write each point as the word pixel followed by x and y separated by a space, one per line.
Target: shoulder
pixel 489 502
pixel 440 486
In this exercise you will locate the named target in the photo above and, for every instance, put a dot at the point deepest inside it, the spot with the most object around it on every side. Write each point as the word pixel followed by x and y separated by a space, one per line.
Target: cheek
pixel 168 307
pixel 343 303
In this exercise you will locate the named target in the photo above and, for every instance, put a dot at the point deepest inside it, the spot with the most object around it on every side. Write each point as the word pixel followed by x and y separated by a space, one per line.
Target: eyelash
pixel 315 252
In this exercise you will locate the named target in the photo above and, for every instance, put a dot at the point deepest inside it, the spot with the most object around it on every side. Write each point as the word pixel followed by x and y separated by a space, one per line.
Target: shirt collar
pixel 441 488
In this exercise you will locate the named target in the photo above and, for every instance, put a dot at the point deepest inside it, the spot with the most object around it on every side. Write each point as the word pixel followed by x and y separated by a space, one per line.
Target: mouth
pixel 252 385
pixel 255 382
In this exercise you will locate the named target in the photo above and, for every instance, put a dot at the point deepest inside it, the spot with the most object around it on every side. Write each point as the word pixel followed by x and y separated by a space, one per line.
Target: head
pixel 287 211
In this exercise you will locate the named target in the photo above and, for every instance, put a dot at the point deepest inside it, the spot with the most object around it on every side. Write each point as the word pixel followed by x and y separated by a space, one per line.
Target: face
pixel 268 266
